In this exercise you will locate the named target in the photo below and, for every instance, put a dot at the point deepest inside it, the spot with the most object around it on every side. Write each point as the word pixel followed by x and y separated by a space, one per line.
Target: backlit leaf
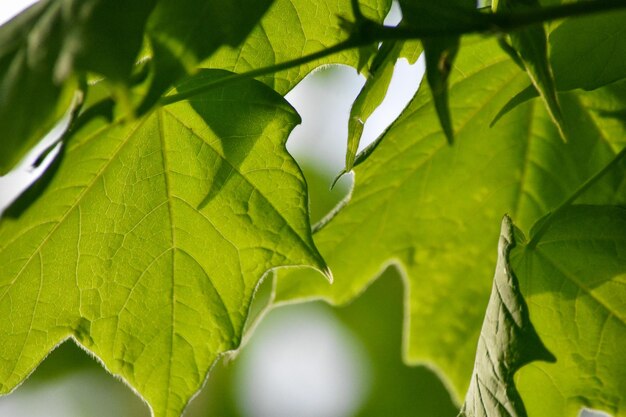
pixel 599 40
pixel 574 279
pixel 531 43
pixel 507 342
pixel 291 29
pixel 371 96
pixel 184 32
pixel 118 254
pixel 435 209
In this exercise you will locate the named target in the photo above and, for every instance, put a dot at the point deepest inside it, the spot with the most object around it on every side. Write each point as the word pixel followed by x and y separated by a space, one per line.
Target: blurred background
pixel 306 360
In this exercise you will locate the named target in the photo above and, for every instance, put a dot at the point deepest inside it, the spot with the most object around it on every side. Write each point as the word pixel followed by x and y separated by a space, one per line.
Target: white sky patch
pixel 302 362
pixel 9 8
pixel 592 413
pixel 75 394
pixel 324 98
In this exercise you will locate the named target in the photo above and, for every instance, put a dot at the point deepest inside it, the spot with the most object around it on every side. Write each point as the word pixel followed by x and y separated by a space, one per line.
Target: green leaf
pixel 435 209
pixel 371 96
pixel 600 39
pixel 507 342
pixel 574 279
pixel 117 255
pixel 531 43
pixel 101 36
pixel 42 51
pixel 411 51
pixel 184 32
pixel 291 29
pixel 523 96
pixel 440 52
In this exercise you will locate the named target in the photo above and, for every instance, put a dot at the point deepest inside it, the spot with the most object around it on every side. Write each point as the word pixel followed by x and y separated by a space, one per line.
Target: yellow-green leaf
pixel 574 279
pixel 435 210
pixel 151 239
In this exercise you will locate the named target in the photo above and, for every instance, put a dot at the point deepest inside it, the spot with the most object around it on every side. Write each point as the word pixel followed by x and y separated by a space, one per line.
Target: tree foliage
pixel 173 196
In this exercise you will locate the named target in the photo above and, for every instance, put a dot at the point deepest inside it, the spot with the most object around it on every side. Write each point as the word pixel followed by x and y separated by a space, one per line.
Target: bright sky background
pixel 9 8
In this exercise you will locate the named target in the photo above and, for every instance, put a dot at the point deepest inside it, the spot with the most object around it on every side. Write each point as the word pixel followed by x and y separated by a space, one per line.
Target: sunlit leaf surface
pixel 435 210
pixel 151 239
pixel 574 279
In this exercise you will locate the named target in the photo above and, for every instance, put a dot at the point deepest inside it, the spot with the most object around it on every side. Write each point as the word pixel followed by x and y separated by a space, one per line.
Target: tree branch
pixel 347 44
pixel 365 32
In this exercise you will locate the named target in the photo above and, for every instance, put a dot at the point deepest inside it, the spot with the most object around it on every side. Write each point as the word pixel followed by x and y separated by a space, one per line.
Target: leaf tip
pixel 339 176
pixel 327 273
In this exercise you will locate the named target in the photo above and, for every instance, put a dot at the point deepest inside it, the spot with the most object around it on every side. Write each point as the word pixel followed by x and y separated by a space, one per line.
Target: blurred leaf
pixel 411 51
pixel 42 51
pixel 507 342
pixel 70 383
pixel 101 36
pixel 117 255
pixel 574 278
pixel 398 390
pixel 435 209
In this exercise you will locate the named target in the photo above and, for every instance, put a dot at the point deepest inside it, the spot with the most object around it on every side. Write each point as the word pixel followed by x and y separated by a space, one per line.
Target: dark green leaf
pixel 523 96
pixel 507 342
pixel 440 52
pixel 589 52
pixel 44 49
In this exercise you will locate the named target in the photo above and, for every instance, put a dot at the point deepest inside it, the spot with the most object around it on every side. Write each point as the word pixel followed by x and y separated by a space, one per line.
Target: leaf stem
pixel 500 22
pixel 580 190
pixel 341 46
pixel 366 32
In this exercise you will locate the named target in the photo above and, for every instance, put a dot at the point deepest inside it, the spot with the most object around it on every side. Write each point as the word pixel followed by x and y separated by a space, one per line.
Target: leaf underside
pixel 151 236
pixel 434 210
pixel 574 279
pixel 507 342
pixel 45 49
pixel 118 254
